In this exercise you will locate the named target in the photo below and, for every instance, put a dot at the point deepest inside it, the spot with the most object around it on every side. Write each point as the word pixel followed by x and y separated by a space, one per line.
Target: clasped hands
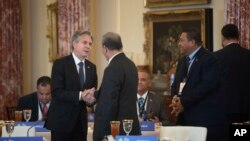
pixel 176 105
pixel 88 95
pixel 155 119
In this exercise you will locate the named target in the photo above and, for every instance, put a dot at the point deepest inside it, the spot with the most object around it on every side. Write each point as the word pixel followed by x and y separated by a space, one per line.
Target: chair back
pixel 183 133
pixel 11 112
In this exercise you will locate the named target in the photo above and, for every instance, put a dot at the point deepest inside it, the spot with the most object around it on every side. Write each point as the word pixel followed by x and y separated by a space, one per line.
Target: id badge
pixel 182 84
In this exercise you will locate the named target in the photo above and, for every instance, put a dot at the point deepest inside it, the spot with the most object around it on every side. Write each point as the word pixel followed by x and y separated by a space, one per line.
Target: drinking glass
pixel 18 115
pixel 127 125
pixel 27 114
pixel 247 122
pixel 115 128
pixel 1 125
pixel 9 126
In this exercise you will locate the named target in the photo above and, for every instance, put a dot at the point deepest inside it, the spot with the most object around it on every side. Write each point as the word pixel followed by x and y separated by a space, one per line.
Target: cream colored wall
pixel 126 18
pixel 35 44
pixel 122 16
pixel 26 54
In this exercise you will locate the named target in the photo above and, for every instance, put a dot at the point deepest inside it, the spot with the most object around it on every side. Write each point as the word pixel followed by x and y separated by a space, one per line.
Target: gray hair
pixel 112 41
pixel 76 36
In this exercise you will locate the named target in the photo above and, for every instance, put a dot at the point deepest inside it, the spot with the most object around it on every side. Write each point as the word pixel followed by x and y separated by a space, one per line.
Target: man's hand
pixel 176 105
pixel 155 119
pixel 88 96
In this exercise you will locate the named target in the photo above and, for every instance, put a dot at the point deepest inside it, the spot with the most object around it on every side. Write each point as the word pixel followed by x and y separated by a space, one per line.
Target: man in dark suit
pixel 116 99
pixel 149 105
pixel 38 101
pixel 235 61
pixel 71 77
pixel 196 88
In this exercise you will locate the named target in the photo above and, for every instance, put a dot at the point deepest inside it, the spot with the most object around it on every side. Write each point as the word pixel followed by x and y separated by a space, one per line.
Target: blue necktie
pixel 141 108
pixel 81 75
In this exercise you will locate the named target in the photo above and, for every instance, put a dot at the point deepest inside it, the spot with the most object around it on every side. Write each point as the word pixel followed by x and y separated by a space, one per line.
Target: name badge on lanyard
pixel 182 85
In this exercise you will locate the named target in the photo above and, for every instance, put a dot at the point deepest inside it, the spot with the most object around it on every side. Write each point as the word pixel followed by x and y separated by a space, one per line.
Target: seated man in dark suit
pixel 149 105
pixel 38 101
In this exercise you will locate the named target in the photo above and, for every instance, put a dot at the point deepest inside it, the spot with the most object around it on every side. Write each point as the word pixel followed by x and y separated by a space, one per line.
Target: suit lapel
pixel 196 60
pixel 149 103
pixel 87 72
pixel 72 67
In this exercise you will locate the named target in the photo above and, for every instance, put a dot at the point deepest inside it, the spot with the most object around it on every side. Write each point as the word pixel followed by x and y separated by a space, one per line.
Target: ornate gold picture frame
pixel 165 3
pixel 162 30
pixel 52 32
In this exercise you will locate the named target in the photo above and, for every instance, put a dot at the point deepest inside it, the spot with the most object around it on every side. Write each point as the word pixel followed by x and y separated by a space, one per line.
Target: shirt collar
pixel 192 55
pixel 233 42
pixel 76 59
pixel 143 96
pixel 110 59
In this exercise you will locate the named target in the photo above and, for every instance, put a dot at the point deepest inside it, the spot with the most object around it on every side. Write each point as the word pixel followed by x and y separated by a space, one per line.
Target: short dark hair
pixel 43 81
pixel 193 34
pixel 112 41
pixel 230 31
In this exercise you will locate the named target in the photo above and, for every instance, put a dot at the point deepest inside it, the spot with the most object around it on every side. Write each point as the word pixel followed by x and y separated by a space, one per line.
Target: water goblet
pixel 9 126
pixel 127 125
pixel 1 125
pixel 27 114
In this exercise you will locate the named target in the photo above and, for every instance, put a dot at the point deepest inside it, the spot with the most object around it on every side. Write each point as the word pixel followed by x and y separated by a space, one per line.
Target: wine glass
pixel 9 126
pixel 127 125
pixel 27 114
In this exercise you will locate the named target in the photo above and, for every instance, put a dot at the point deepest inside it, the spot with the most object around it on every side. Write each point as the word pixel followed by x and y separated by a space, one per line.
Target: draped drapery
pixel 237 12
pixel 72 16
pixel 10 54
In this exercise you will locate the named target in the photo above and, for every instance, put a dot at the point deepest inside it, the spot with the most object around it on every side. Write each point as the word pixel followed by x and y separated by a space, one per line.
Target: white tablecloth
pixel 47 135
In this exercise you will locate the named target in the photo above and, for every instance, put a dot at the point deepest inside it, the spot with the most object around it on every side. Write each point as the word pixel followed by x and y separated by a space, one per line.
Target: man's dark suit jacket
pixel 29 101
pixel 236 65
pixel 66 110
pixel 201 97
pixel 117 97
pixel 156 106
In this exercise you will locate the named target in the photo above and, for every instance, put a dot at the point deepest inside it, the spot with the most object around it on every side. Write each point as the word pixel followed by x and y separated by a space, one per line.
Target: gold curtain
pixel 237 12
pixel 10 54
pixel 72 16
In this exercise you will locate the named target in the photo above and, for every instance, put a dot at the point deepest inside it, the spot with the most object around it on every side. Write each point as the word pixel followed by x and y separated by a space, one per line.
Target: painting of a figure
pixel 162 30
pixel 165 44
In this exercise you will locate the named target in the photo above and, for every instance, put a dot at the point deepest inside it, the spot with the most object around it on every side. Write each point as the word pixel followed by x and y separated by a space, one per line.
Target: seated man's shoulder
pixel 155 96
pixel 28 96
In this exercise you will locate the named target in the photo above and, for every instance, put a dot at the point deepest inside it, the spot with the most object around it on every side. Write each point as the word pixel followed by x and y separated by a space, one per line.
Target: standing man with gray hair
pixel 71 76
pixel 116 99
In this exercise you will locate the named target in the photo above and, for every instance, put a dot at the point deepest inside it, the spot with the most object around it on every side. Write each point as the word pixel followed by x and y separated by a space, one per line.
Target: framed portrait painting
pixel 162 30
pixel 168 3
pixel 52 32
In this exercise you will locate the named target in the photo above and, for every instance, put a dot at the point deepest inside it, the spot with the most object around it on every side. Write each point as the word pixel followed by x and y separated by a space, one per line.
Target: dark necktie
pixel 187 64
pixel 81 75
pixel 141 107
pixel 45 110
pixel 185 73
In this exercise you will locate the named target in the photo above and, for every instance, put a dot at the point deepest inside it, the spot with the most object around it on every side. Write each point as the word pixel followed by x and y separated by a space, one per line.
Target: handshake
pixel 88 96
